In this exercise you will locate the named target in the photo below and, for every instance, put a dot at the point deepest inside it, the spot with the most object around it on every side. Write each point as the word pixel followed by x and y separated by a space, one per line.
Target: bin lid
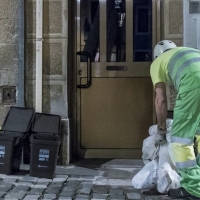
pixel 9 135
pixel 18 119
pixel 46 123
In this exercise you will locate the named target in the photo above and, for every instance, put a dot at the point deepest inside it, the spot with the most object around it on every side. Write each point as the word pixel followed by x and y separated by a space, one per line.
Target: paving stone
pixel 54 190
pixel 61 176
pixel 100 189
pixel 88 185
pixel 99 196
pixel 74 179
pixel 82 197
pixel 120 182
pixel 57 180
pixel 60 184
pixel 64 198
pixel 134 195
pixel 2 176
pixel 50 196
pixel 156 198
pixel 46 199
pixel 84 191
pixel 18 195
pixel 40 186
pixel 21 187
pixel 117 196
pixel 24 183
pixel 87 178
pixel 36 191
pixel 32 197
pixel 116 191
pixel 73 183
pixel 43 183
pixel 10 179
pixel 5 189
pixel 2 194
pixel 5 184
pixel 67 194
pixel 101 181
pixel 29 179
pixel 69 188
pixel 97 199
pixel 75 170
pixel 44 180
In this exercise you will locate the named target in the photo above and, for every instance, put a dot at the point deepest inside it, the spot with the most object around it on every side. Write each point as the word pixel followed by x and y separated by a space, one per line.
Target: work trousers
pixel 185 136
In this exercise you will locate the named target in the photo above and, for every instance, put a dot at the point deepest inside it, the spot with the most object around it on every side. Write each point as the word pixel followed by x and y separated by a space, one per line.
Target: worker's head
pixel 162 46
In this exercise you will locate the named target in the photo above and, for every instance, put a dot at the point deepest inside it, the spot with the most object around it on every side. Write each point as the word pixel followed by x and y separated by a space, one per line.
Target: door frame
pixel 72 68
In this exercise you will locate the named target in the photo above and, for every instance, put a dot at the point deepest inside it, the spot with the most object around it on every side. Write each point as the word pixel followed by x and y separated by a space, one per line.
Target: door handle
pixel 89 69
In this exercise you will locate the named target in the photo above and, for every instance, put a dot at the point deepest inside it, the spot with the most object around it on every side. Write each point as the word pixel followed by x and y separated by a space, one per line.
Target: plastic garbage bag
pixel 169 124
pixel 153 128
pixel 159 170
pixel 164 156
pixel 149 149
pixel 146 178
pixel 168 177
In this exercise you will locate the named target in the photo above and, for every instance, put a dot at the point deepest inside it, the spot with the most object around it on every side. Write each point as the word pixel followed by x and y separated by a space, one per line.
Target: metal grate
pixel 194 7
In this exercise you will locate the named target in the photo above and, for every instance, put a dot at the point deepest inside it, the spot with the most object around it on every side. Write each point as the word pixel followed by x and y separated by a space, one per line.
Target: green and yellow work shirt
pixel 179 66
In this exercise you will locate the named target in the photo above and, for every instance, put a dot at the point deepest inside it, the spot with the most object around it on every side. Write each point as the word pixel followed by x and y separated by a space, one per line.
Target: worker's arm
pixel 161 105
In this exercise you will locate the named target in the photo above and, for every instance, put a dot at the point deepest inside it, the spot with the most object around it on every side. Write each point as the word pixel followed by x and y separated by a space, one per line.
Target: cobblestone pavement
pixel 81 181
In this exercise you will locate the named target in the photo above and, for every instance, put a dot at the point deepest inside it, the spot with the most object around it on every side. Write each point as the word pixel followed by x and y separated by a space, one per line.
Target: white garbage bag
pixel 159 170
pixel 153 129
pixel 146 178
pixel 149 149
pixel 168 177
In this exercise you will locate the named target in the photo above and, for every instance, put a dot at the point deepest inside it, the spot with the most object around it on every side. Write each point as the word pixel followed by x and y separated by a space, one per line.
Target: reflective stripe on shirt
pixel 176 71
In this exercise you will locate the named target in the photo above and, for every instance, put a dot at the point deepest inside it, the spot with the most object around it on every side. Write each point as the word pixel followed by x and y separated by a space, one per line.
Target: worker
pixel 179 66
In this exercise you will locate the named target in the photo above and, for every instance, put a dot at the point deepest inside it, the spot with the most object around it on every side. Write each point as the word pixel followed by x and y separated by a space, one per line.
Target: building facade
pixel 103 93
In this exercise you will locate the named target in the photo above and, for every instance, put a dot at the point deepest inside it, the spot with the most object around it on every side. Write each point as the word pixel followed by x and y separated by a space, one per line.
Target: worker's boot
pixel 181 193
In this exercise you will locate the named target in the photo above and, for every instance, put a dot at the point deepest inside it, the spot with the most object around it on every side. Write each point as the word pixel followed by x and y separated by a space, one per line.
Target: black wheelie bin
pixel 45 143
pixel 14 130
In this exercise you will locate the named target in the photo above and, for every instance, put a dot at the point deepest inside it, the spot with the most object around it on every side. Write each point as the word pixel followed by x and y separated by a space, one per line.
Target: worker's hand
pixel 160 137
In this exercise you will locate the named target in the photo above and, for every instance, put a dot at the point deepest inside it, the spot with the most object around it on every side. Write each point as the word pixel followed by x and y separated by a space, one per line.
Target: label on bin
pixel 44 154
pixel 2 151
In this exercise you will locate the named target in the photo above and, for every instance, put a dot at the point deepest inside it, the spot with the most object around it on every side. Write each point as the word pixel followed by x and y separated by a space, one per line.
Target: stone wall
pixel 54 94
pixel 8 49
pixel 55 25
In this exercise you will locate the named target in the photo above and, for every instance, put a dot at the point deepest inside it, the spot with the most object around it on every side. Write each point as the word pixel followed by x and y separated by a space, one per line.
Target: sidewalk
pixel 83 180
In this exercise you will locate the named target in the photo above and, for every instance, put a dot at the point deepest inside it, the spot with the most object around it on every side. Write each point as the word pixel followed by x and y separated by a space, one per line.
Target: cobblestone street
pixel 109 181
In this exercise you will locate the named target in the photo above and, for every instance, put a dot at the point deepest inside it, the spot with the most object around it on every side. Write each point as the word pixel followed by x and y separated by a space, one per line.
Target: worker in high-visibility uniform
pixel 180 66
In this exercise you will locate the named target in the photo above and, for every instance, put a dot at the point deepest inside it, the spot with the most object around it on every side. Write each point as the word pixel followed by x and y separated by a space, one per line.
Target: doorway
pixel 114 93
